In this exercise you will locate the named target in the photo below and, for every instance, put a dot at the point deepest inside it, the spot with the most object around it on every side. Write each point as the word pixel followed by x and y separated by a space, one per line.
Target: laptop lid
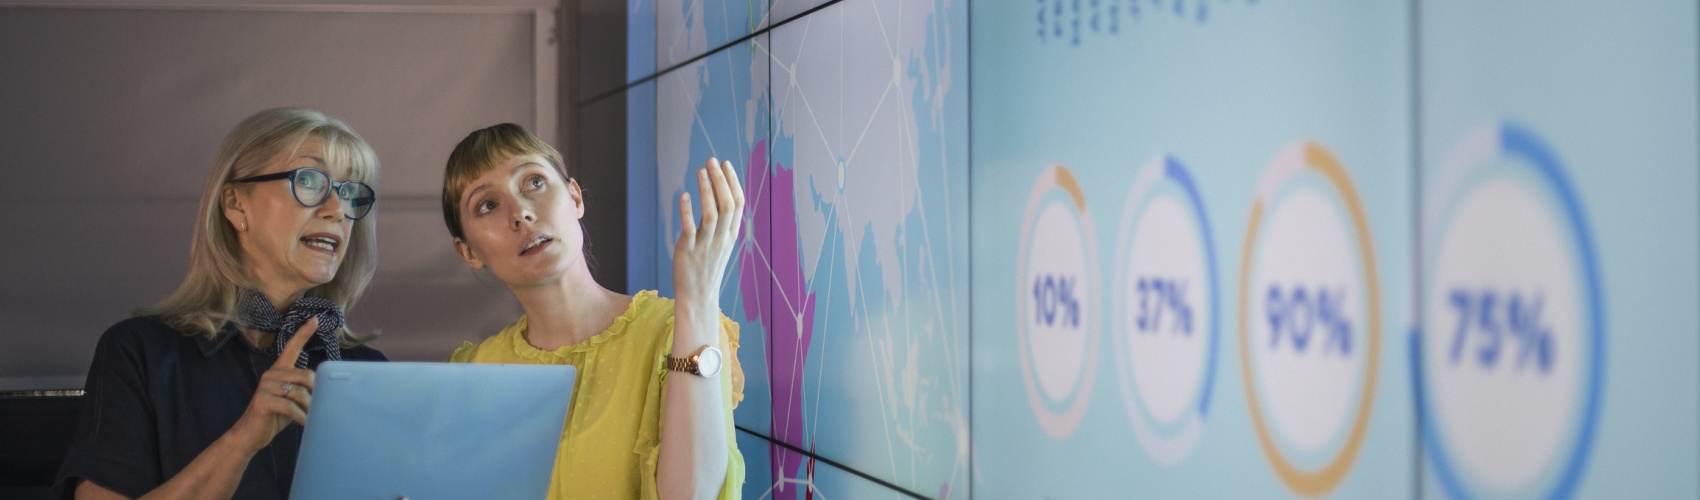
pixel 432 430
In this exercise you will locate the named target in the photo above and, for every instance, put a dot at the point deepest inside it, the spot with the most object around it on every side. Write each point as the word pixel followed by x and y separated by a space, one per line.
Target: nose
pixel 331 209
pixel 523 215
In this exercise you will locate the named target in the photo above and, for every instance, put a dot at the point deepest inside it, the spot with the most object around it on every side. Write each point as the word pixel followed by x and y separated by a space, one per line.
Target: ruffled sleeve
pixel 733 389
pixel 463 354
pixel 648 446
pixel 735 370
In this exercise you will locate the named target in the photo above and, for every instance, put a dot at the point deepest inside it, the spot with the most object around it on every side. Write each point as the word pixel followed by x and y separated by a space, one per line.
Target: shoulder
pixel 482 351
pixel 142 325
pixel 363 352
pixel 651 311
pixel 649 306
pixel 132 350
pixel 141 333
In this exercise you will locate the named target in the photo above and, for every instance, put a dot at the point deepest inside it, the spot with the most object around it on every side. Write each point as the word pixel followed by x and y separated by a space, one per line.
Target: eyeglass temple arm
pixel 265 177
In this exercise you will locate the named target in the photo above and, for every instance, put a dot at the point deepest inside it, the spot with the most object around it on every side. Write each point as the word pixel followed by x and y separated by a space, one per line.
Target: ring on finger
pixel 288 386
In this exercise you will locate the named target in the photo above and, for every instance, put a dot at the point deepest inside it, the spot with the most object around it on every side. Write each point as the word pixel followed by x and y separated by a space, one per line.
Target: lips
pixel 324 242
pixel 535 244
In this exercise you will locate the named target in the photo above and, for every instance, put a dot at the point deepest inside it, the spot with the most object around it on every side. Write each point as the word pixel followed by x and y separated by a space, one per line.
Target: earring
pixel 244 227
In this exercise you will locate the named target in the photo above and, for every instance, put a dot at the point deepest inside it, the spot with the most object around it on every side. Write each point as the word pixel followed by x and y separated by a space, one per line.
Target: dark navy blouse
pixel 155 398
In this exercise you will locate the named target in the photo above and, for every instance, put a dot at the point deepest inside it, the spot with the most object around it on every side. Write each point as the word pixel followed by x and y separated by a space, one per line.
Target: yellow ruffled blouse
pixel 612 440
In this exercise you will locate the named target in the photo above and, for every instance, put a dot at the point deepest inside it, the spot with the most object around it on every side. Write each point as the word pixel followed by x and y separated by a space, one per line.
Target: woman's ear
pixel 231 204
pixel 465 252
pixel 578 198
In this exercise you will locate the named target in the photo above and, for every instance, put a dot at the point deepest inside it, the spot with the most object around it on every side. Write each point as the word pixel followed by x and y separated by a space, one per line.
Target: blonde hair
pixel 206 299
pixel 478 153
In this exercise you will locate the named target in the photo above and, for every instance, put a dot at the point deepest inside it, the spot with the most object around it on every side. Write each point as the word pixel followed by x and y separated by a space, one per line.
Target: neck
pixel 567 310
pixel 279 290
pixel 262 340
pixel 280 297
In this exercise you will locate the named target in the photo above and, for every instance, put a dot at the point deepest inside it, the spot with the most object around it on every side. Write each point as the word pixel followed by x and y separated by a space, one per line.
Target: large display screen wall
pixel 1218 249
pixel 1192 232
pixel 848 121
pixel 1557 147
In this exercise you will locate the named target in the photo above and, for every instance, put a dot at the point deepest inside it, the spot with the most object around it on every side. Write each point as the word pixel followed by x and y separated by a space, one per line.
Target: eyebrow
pixel 474 192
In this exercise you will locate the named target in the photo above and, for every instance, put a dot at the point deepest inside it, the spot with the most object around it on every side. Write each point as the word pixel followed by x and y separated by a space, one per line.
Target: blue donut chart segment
pixel 1165 242
pixel 1526 149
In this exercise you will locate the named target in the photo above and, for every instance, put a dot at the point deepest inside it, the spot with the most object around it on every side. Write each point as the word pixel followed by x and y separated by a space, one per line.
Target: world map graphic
pixel 850 283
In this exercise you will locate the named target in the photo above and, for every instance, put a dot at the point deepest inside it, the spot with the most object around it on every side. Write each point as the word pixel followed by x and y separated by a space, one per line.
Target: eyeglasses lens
pixel 357 199
pixel 310 186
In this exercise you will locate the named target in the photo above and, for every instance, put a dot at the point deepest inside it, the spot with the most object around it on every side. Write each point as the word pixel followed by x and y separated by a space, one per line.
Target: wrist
pixel 693 310
pixel 241 438
pixel 687 297
pixel 694 326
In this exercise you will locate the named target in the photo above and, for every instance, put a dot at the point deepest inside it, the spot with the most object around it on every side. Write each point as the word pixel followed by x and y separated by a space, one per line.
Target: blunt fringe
pixel 478 153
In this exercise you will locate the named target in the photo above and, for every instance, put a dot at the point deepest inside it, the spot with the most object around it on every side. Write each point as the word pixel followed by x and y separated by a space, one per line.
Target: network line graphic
pixel 852 264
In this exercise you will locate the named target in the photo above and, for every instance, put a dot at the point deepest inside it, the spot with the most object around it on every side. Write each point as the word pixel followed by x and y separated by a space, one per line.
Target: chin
pixel 319 276
pixel 538 275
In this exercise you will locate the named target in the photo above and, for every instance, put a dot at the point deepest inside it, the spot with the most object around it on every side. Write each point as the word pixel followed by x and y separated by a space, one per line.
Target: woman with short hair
pixel 651 409
pixel 195 396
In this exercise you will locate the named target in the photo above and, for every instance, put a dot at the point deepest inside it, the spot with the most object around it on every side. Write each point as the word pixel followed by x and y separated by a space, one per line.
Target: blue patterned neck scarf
pixel 253 310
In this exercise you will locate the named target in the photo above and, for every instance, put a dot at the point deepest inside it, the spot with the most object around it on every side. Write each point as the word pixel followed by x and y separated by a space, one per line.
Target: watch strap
pixel 686 364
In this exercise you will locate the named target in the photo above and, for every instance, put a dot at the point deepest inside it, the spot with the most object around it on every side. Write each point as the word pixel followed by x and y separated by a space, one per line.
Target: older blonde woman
pixel 195 396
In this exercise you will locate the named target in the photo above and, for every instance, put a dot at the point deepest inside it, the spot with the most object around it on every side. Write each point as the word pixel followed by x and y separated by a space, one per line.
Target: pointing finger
pixel 292 350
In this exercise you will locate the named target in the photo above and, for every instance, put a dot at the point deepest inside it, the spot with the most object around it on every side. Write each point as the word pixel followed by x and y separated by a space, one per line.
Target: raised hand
pixel 285 394
pixel 700 257
pixel 694 442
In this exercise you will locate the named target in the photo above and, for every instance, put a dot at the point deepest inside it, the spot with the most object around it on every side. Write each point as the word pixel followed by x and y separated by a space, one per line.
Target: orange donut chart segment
pixel 1321 481
pixel 1059 425
pixel 1066 181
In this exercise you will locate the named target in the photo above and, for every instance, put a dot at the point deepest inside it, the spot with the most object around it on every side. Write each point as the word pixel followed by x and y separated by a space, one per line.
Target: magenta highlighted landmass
pixel 772 268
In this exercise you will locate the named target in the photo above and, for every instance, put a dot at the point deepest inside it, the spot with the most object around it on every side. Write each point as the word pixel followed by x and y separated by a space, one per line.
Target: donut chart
pixel 1057 305
pixel 1513 314
pixel 1166 334
pixel 1310 337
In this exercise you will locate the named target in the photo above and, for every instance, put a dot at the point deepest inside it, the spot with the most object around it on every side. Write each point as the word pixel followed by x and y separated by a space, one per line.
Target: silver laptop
pixel 432 430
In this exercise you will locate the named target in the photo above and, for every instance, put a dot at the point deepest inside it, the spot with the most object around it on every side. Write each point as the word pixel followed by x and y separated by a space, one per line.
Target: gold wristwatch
pixel 705 363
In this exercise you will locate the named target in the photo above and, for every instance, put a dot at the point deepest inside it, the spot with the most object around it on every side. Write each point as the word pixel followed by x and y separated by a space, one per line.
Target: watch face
pixel 708 362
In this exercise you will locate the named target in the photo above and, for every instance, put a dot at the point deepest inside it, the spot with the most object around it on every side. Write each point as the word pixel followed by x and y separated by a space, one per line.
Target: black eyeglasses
pixel 312 187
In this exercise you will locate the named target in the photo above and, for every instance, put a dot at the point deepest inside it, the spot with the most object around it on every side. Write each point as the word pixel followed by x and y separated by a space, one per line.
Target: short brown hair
pixel 478 153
